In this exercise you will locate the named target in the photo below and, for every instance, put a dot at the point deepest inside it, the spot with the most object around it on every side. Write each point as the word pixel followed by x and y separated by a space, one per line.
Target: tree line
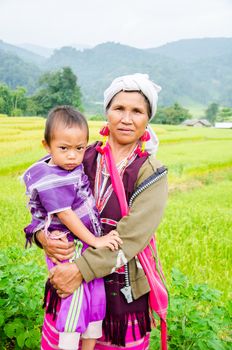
pixel 55 88
pixel 61 88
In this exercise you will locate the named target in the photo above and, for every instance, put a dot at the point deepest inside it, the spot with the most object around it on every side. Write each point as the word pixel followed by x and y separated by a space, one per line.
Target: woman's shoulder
pixel 91 149
pixel 91 154
pixel 151 164
pixel 149 167
pixel 154 162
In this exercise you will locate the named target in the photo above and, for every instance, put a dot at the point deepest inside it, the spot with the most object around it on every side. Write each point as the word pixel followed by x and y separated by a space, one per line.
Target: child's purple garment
pixel 52 189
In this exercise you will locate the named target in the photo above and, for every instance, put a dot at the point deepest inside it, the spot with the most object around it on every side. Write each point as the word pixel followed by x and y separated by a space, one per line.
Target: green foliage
pixel 21 292
pixel 19 99
pixel 13 102
pixel 225 114
pixel 97 117
pixel 172 115
pixel 14 71
pixel 5 99
pixel 32 107
pixel 211 112
pixel 57 88
pixel 197 320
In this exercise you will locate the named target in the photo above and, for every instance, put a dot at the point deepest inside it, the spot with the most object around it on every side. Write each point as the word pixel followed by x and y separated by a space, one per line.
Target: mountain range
pixel 190 71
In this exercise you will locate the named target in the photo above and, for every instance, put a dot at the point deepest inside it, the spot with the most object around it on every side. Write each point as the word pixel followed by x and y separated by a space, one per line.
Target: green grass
pixel 195 235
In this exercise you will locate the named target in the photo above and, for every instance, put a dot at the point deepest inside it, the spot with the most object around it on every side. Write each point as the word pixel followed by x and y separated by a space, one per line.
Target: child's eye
pixel 80 148
pixel 63 148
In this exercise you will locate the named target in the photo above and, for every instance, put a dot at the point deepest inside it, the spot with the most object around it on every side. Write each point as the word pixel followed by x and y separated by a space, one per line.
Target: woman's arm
pixel 135 230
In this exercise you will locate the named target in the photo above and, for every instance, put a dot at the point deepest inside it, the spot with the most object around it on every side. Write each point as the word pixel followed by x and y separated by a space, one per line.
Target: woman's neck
pixel 120 151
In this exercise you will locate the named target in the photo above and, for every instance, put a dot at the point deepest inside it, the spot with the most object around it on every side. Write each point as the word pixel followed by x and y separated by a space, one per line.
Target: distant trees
pixel 56 88
pixel 212 112
pixel 14 72
pixel 5 99
pixel 19 101
pixel 225 114
pixel 13 102
pixel 175 114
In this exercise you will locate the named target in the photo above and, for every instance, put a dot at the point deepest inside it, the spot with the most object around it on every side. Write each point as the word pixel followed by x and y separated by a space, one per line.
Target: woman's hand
pixel 56 249
pixel 65 278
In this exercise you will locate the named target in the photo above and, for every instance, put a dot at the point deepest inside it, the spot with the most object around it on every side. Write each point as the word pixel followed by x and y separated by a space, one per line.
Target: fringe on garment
pixel 115 329
pixel 51 299
pixel 29 239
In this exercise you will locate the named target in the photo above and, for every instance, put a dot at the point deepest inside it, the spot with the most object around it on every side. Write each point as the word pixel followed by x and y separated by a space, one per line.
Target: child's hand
pixel 111 240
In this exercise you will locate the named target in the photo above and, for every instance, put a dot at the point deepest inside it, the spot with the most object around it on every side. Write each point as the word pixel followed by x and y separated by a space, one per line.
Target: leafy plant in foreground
pixel 196 319
pixel 21 292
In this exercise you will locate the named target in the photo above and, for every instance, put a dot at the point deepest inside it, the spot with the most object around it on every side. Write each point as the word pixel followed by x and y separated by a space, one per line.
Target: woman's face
pixel 127 117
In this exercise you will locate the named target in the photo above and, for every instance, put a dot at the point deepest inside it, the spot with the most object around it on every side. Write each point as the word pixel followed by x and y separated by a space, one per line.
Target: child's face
pixel 67 146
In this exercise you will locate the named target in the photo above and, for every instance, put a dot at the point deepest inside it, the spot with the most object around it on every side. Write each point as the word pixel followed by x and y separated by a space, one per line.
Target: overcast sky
pixel 138 23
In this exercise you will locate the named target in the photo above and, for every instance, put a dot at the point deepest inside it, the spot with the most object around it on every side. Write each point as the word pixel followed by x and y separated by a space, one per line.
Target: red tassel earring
pixel 140 150
pixel 103 132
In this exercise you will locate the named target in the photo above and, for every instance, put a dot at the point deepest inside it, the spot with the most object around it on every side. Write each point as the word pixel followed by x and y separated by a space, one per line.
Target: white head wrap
pixel 137 82
pixel 134 82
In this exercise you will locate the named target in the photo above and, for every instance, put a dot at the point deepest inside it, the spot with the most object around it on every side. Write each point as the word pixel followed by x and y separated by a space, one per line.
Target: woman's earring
pixel 105 133
pixel 140 150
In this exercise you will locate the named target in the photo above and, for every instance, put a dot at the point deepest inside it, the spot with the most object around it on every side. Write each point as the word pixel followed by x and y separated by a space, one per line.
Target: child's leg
pixel 88 344
pixel 90 336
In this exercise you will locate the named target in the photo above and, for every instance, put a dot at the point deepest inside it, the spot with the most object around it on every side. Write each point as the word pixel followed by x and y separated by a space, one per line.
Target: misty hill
pixel 195 49
pixel 16 72
pixel 24 54
pixel 206 78
pixel 47 52
pixel 38 50
pixel 96 67
pixel 196 71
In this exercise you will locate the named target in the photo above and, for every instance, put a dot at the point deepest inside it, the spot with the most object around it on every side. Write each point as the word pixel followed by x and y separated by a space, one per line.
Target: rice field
pixel 196 232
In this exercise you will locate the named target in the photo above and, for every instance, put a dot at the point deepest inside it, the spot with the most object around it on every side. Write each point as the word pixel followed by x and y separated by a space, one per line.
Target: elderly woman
pixel 129 102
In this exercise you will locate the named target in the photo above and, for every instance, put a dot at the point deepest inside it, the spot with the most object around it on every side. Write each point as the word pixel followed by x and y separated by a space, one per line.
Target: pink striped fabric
pixel 148 258
pixel 138 344
pixel 50 338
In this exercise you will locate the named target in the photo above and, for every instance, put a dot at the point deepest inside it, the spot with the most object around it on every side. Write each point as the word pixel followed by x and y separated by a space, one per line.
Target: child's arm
pixel 75 225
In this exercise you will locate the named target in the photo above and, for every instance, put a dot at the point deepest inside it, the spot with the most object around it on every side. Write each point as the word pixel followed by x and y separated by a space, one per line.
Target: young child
pixel 60 200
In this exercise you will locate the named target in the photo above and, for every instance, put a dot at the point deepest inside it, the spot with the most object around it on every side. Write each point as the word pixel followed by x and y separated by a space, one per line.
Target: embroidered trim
pixel 109 222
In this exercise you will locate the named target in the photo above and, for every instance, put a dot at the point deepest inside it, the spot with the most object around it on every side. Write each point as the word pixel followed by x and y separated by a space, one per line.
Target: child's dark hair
pixel 66 115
